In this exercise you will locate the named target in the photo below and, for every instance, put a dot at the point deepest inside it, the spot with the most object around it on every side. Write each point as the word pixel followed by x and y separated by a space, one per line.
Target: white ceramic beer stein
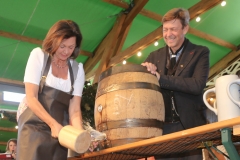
pixel 234 95
pixel 225 108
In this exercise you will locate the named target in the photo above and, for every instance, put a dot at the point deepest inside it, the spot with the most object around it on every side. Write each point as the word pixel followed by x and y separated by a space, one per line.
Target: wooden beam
pixel 129 18
pixel 3 143
pixel 140 45
pixel 202 7
pixel 143 12
pixel 108 50
pixel 92 61
pixel 32 40
pixel 90 75
pixel 118 35
pixel 85 53
pixel 124 30
pixel 20 37
pixel 97 54
pixel 151 15
pixel 194 11
pixel 115 42
pixel 11 82
pixel 120 41
pixel 8 129
pixel 211 38
pixel 223 63
pixel 118 3
pixel 138 6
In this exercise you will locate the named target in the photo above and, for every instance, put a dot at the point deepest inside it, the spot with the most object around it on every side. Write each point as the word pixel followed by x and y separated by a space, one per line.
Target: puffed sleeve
pixel 79 82
pixel 34 66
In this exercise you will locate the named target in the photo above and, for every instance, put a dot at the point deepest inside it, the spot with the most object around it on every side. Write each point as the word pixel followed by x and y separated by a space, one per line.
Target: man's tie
pixel 173 61
pixel 174 56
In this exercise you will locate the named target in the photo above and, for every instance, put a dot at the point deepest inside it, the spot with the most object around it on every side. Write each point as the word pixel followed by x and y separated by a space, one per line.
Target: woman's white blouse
pixel 33 73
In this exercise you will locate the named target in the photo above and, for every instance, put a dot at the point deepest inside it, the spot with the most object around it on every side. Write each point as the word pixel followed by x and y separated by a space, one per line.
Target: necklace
pixel 59 66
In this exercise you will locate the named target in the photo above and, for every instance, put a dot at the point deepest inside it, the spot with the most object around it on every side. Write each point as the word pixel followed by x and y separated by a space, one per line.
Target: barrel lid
pixel 122 69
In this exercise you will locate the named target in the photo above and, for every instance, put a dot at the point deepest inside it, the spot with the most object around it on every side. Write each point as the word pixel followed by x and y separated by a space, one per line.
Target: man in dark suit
pixel 182 70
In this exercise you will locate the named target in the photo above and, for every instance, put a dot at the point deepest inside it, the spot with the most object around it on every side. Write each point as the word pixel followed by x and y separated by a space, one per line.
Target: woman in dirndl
pixel 53 94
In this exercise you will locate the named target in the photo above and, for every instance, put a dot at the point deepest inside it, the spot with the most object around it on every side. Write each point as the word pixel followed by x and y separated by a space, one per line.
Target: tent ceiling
pixel 24 24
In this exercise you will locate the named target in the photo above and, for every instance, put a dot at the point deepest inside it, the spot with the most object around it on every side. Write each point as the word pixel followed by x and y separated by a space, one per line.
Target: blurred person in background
pixel 11 147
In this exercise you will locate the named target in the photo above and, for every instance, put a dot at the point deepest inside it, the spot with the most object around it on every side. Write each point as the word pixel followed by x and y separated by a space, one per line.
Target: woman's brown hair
pixel 62 29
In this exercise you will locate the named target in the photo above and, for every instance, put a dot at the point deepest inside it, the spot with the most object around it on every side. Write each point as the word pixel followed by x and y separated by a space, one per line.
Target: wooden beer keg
pixel 128 106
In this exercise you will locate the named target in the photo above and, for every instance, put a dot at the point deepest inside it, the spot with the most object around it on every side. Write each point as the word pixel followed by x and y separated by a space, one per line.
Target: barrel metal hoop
pixel 127 85
pixel 123 69
pixel 129 123
pixel 117 142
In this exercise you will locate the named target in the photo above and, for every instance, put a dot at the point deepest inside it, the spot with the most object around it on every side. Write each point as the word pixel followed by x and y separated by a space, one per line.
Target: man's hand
pixel 151 68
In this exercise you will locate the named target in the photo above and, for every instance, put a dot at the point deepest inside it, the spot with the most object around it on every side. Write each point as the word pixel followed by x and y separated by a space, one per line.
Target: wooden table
pixel 179 142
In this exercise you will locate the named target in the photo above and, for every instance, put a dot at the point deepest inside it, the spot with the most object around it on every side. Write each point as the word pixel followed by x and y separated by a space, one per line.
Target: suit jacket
pixel 188 82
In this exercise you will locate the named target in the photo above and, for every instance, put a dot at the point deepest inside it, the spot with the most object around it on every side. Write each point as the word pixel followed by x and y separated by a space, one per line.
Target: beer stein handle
pixel 214 109
pixel 233 98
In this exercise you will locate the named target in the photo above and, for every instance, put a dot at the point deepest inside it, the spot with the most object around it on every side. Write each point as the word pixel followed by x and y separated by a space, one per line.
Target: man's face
pixel 174 33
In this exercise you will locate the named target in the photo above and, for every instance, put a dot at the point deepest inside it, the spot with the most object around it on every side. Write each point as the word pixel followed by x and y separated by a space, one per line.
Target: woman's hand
pixel 55 129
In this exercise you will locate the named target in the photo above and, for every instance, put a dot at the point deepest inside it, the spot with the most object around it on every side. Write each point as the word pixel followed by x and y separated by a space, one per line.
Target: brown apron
pixel 34 136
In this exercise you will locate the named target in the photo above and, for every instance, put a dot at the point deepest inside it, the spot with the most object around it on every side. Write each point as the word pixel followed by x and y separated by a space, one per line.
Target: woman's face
pixel 12 147
pixel 66 48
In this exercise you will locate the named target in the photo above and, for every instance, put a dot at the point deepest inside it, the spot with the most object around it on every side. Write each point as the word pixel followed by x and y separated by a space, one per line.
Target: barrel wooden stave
pixel 138 103
pixel 125 104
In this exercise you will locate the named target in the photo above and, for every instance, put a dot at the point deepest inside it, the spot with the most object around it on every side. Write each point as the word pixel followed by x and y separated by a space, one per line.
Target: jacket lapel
pixel 162 66
pixel 186 58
